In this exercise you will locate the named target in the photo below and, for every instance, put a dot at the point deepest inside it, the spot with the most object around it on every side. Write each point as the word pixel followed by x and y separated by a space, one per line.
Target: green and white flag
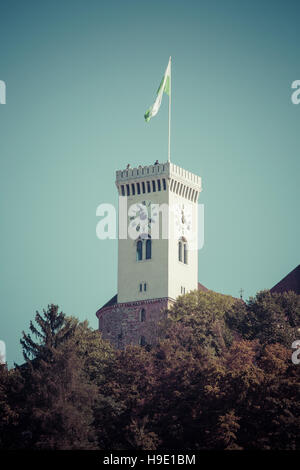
pixel 163 87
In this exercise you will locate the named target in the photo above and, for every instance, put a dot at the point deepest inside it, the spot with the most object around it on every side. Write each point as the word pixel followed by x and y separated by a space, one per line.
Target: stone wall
pixel 121 323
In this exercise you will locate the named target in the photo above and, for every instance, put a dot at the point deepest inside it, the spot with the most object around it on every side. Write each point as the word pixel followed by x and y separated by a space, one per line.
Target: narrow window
pixel 148 187
pixel 148 249
pixel 142 341
pixel 139 250
pixel 180 251
pixel 133 189
pixel 143 187
pixel 143 315
pixel 138 188
pixel 158 185
pixel 185 254
pixel 128 189
pixel 164 184
pixel 153 186
pixel 123 190
pixel 145 286
pixel 141 287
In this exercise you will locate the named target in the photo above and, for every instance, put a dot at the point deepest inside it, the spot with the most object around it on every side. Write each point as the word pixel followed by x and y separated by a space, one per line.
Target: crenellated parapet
pixel 159 177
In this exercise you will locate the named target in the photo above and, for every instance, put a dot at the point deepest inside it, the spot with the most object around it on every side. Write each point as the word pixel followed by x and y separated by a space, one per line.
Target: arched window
pixel 180 251
pixel 148 248
pixel 142 341
pixel 185 253
pixel 143 315
pixel 183 250
pixel 139 250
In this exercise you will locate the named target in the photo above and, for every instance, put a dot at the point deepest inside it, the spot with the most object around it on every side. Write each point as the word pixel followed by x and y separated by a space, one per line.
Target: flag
pixel 164 86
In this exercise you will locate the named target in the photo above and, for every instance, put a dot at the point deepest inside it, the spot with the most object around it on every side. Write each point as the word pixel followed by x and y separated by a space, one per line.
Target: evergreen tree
pixel 52 329
pixel 58 393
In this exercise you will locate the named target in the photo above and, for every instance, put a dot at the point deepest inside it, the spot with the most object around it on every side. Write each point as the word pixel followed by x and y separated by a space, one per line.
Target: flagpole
pixel 169 142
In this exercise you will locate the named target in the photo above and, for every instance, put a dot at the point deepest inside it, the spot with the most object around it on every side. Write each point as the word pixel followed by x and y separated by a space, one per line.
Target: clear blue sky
pixel 79 76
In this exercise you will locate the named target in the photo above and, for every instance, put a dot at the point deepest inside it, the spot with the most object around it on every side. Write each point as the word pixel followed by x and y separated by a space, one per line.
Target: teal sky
pixel 79 77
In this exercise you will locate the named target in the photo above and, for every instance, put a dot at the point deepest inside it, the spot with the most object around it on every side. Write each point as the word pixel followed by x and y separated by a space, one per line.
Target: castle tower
pixel 157 250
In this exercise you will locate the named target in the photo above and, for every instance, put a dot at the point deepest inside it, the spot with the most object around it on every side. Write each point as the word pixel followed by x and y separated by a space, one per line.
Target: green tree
pixel 124 400
pixel 51 329
pixel 96 354
pixel 58 411
pixel 8 416
pixel 203 315
pixel 220 377
pixel 59 382
pixel 268 317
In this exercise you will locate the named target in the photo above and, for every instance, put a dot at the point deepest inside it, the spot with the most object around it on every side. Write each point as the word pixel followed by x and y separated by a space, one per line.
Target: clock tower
pixel 157 250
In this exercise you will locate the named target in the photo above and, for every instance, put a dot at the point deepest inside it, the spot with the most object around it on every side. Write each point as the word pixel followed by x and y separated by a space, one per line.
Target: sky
pixel 79 77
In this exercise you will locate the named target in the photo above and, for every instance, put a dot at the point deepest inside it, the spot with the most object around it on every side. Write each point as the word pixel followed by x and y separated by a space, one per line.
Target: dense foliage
pixel 220 377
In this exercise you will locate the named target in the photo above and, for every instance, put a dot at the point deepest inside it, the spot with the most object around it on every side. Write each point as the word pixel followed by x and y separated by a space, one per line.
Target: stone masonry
pixel 122 324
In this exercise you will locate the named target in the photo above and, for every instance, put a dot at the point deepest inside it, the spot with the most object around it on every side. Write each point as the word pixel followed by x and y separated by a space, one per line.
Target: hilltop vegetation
pixel 220 377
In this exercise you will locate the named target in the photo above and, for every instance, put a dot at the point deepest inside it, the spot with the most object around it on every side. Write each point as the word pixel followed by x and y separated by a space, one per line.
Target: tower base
pixel 132 323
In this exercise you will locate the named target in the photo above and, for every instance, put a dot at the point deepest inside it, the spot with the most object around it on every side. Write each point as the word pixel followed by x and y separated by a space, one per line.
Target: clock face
pixel 183 220
pixel 142 217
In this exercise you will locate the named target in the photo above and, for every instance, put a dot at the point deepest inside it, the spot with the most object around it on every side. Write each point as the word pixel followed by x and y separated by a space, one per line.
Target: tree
pixel 58 411
pixel 59 382
pixel 8 416
pixel 268 317
pixel 203 315
pixel 124 401
pixel 52 330
pixel 96 354
pixel 220 377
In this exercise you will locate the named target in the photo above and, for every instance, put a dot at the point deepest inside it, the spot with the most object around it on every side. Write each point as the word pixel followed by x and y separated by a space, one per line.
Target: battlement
pixel 168 171
pixel 142 172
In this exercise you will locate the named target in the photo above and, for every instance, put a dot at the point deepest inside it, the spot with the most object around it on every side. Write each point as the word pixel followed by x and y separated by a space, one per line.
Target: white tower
pixel 154 266
pixel 164 266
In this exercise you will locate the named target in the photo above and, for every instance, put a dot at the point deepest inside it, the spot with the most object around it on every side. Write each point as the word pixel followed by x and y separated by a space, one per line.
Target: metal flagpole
pixel 169 143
